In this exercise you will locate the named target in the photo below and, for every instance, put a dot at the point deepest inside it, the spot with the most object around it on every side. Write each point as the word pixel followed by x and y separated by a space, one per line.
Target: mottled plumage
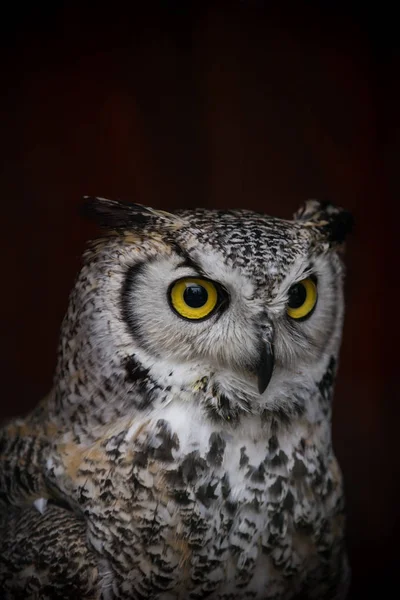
pixel 185 459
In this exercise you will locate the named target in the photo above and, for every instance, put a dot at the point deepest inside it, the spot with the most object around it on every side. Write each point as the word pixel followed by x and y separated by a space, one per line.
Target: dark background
pixel 217 105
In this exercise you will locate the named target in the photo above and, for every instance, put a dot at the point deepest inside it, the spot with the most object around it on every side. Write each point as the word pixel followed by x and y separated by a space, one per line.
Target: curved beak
pixel 265 367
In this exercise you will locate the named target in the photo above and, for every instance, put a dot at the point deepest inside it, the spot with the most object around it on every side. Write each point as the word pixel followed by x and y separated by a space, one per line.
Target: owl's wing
pixel 45 555
pixel 43 549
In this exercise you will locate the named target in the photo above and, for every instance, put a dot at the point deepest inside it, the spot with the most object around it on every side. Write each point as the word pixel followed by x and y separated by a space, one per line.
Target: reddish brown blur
pixel 237 107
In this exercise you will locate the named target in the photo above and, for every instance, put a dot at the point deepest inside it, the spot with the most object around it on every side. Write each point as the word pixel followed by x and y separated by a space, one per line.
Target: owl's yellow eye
pixel 302 299
pixel 193 298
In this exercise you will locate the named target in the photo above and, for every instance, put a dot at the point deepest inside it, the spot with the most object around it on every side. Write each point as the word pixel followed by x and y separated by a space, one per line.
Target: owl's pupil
pixel 297 295
pixel 195 295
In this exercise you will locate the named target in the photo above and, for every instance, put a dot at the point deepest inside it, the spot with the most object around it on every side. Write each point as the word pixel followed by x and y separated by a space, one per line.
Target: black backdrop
pixel 217 105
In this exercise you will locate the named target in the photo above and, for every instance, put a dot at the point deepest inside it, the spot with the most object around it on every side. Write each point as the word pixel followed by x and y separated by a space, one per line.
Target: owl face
pixel 245 301
pixel 224 312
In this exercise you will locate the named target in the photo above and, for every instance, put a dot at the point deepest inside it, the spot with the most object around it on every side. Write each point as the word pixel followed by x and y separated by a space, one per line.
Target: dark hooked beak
pixel 265 367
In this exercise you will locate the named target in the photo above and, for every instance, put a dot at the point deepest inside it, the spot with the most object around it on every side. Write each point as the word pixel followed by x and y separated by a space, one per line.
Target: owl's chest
pixel 205 511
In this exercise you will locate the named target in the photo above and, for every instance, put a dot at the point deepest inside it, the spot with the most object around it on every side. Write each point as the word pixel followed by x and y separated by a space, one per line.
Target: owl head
pixel 230 310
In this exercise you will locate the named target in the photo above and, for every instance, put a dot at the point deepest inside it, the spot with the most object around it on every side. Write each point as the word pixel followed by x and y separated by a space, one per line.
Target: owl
pixel 184 450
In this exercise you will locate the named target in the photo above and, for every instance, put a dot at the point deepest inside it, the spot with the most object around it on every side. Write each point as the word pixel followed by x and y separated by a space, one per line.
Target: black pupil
pixel 297 295
pixel 195 295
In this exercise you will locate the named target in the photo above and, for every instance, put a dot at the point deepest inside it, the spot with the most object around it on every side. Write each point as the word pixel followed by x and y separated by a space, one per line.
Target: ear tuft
pixel 340 226
pixel 113 214
pixel 334 222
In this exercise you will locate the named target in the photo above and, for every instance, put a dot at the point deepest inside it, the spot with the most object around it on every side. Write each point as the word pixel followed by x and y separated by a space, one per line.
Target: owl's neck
pixel 127 389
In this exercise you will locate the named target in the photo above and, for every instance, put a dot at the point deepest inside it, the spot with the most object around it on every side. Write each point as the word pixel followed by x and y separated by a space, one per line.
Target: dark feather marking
pixel 193 466
pixel 225 486
pixel 325 385
pixel 273 444
pixel 299 469
pixel 244 459
pixel 256 474
pixel 168 441
pixel 206 493
pixel 182 497
pixel 135 371
pixel 276 487
pixel 288 502
pixel 217 445
pixel 278 460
